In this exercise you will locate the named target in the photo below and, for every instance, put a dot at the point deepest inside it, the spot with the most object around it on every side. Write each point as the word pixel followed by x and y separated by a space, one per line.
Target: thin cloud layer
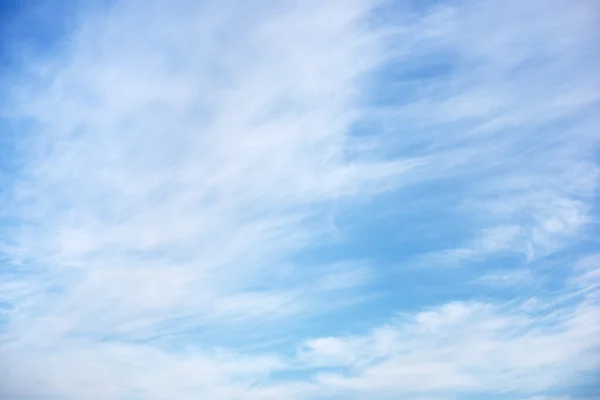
pixel 315 200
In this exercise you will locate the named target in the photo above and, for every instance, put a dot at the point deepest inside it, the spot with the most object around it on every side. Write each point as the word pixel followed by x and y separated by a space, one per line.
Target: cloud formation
pixel 315 200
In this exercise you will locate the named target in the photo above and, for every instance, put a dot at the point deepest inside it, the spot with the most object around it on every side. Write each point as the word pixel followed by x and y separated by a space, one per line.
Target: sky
pixel 300 200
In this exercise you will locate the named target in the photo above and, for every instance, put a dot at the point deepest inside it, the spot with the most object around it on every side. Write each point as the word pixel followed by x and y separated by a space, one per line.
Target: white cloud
pixel 172 172
pixel 516 278
pixel 506 120
pixel 461 348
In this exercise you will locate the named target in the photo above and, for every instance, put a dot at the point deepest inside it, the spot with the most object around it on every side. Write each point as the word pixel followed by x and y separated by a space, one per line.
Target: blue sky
pixel 300 200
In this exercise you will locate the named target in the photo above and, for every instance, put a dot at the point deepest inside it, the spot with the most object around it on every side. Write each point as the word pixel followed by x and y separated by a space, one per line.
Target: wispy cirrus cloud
pixel 198 189
pixel 469 347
